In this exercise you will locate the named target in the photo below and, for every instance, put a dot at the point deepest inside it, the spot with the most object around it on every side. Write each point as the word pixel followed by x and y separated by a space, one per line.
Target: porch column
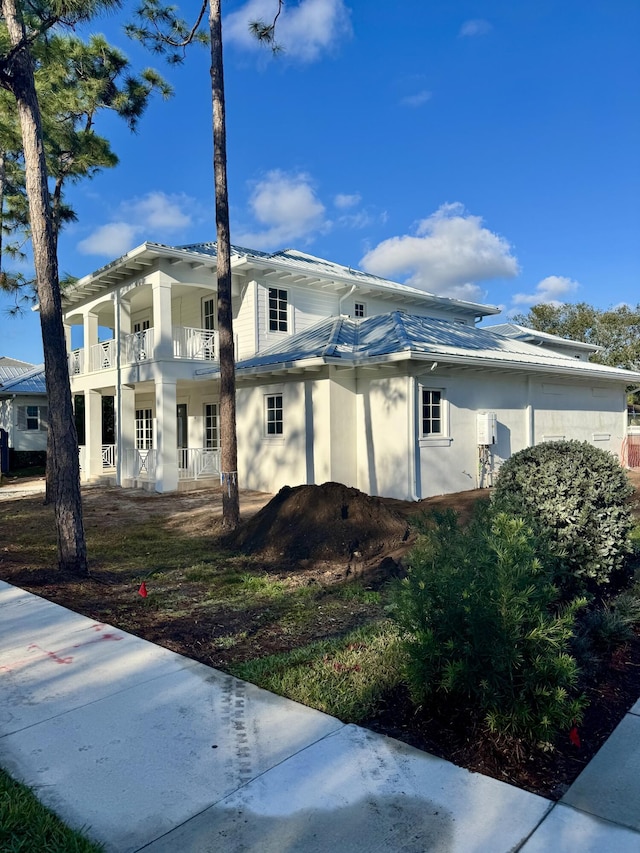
pixel 166 438
pixel 90 338
pixel 162 323
pixel 126 432
pixel 123 324
pixel 93 434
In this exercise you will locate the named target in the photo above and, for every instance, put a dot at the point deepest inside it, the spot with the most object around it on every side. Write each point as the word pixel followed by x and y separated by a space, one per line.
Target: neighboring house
pixel 23 412
pixel 341 375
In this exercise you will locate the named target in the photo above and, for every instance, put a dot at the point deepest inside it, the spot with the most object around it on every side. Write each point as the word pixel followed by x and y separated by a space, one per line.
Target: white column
pixel 162 322
pixel 123 307
pixel 127 429
pixel 90 335
pixel 166 438
pixel 93 434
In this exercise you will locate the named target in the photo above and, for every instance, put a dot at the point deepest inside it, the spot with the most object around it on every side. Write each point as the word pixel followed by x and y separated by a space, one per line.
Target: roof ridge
pixel 334 336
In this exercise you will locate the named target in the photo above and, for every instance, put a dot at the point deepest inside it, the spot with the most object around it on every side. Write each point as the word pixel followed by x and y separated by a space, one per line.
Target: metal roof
pixel 28 382
pixel 523 333
pixel 12 367
pixel 397 335
pixel 295 266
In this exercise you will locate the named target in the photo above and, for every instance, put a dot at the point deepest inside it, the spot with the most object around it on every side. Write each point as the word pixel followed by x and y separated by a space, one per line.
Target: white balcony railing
pixel 103 355
pixel 197 462
pixel 76 362
pixel 200 344
pixel 139 346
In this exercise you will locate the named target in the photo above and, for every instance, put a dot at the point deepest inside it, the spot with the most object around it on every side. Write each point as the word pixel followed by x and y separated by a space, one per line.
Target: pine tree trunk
pixel 228 438
pixel 63 443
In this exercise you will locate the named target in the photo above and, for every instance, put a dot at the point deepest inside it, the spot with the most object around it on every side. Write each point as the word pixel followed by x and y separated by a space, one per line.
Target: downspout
pixel 118 390
pixel 414 444
pixel 345 296
pixel 529 435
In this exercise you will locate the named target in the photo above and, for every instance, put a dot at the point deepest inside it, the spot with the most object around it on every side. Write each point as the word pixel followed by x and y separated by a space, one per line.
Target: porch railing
pixel 76 362
pixel 200 344
pixel 103 355
pixel 139 464
pixel 108 456
pixel 197 462
pixel 138 346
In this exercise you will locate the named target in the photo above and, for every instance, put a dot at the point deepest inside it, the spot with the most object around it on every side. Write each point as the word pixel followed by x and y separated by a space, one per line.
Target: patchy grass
pixel 26 826
pixel 344 677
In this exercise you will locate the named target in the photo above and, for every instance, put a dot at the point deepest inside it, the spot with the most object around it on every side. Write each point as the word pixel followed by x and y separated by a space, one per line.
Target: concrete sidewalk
pixel 151 751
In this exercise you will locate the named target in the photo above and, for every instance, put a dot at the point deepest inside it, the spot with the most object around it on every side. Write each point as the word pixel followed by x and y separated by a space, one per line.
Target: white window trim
pixel 204 299
pixel 289 330
pixel 443 438
pixel 23 417
pixel 364 308
pixel 278 438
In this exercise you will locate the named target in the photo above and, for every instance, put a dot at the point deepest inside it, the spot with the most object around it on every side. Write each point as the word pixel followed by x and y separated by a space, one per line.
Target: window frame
pixel 441 438
pixel 359 305
pixel 273 417
pixel 144 428
pixel 277 317
pixel 209 317
pixel 34 421
pixel 211 426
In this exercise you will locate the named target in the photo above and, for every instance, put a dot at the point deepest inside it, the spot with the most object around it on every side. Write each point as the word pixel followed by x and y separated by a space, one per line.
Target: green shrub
pixel 479 628
pixel 576 499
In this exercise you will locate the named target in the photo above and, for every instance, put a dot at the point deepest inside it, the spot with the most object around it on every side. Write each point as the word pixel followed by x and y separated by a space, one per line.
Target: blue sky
pixel 487 150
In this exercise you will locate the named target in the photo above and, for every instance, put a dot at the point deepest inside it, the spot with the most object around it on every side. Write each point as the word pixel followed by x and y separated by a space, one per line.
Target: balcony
pixel 188 343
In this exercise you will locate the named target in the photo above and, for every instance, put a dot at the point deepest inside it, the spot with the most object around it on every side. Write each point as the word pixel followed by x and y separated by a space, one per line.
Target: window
pixel 277 310
pixel 142 326
pixel 211 426
pixel 144 429
pixel 432 414
pixel 32 417
pixel 273 414
pixel 359 309
pixel 209 313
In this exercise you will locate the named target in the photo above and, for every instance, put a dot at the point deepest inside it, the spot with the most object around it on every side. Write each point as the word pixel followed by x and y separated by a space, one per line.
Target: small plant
pixel 575 497
pixel 479 627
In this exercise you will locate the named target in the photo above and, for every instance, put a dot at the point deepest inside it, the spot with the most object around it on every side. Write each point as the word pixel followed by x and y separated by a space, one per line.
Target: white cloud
pixel 286 208
pixel 475 27
pixel 416 100
pixel 450 251
pixel 304 30
pixel 154 216
pixel 345 200
pixel 552 290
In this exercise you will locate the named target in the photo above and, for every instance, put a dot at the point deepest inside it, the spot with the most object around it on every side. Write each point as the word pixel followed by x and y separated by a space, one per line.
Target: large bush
pixel 576 499
pixel 480 630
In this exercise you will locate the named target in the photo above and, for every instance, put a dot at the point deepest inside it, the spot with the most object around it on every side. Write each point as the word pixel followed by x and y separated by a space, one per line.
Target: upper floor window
pixel 209 313
pixel 274 418
pixel 278 310
pixel 432 412
pixel 359 309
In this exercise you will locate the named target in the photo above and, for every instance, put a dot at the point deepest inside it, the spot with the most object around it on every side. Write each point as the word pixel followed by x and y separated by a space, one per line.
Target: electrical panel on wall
pixel 487 428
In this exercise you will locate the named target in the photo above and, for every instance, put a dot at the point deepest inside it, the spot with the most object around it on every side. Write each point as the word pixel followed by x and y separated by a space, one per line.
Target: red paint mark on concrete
pixel 51 655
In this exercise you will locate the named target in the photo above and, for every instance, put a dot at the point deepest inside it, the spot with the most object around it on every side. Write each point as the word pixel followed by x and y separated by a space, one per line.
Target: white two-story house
pixel 341 375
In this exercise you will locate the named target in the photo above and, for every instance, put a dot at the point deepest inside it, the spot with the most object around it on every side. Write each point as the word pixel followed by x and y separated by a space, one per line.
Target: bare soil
pixel 316 537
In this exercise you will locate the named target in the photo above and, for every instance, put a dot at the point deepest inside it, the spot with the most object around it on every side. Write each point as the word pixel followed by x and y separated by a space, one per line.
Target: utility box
pixel 487 428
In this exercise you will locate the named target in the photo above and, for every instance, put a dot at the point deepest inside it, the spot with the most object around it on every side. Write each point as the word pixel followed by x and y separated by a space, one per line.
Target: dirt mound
pixel 328 523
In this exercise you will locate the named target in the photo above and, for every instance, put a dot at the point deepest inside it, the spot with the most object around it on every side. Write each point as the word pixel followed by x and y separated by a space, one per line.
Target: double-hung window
pixel 278 310
pixel 211 427
pixel 274 418
pixel 359 309
pixel 432 413
pixel 32 417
